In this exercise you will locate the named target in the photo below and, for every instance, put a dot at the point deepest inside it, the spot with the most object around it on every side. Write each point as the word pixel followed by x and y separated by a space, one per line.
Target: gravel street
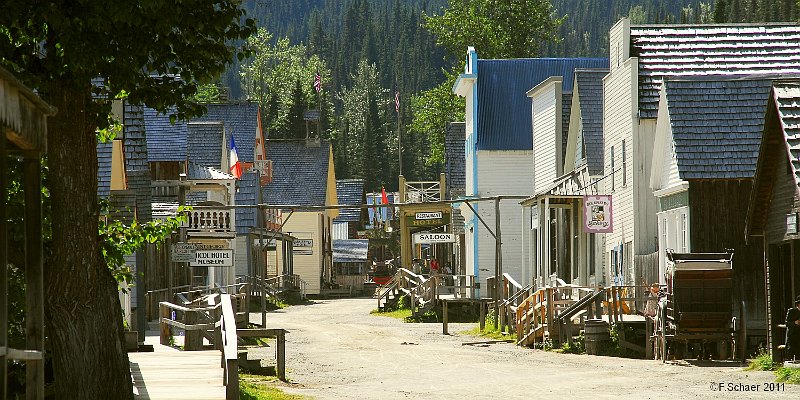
pixel 337 350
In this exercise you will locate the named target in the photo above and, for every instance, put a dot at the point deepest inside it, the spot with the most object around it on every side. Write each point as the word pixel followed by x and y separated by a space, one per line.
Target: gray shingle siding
pixel 590 98
pixel 455 168
pixel 300 172
pixel 137 168
pixel 733 50
pixel 246 194
pixel 165 141
pixel 204 144
pixel 104 151
pixel 717 126
pixel 349 191
pixel 787 98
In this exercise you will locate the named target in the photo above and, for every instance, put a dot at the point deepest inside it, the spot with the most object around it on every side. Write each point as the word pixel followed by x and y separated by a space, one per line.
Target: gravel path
pixel 337 350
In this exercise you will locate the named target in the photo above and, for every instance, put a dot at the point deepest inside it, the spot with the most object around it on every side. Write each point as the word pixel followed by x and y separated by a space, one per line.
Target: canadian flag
pixel 233 160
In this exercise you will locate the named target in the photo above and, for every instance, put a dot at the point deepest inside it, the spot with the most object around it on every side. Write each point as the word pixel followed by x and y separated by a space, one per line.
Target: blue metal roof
pixel 504 110
pixel 717 126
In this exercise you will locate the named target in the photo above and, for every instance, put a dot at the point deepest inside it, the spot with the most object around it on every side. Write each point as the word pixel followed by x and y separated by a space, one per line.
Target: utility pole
pixel 498 261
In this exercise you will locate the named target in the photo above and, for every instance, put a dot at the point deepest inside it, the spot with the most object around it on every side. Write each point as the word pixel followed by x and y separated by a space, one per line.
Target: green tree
pixel 157 52
pixel 279 76
pixel 496 28
pixel 433 109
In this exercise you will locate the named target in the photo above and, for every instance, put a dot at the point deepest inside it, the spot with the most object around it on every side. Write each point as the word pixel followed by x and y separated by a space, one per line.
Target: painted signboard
pixel 303 247
pixel 213 258
pixel 428 219
pixel 429 238
pixel 597 214
pixel 183 252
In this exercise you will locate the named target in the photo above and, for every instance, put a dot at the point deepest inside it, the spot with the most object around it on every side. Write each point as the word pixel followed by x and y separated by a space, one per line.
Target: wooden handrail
pixel 230 360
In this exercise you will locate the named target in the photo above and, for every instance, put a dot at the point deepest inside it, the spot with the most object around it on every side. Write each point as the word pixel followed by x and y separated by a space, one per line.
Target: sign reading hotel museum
pixel 213 258
pixel 597 214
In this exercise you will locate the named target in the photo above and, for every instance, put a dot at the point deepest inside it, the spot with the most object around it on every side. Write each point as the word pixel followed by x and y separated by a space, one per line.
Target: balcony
pixel 212 221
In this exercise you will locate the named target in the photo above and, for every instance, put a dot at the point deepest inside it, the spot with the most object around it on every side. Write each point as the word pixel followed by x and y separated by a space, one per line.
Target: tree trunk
pixel 82 304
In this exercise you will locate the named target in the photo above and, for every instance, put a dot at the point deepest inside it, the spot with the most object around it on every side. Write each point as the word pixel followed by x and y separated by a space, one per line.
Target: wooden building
pixel 708 133
pixel 772 217
pixel 641 57
pixel 568 137
pixel 499 150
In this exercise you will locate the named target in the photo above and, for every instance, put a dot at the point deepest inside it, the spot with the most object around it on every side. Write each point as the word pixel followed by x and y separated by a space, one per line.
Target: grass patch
pixel 788 375
pixel 490 332
pixel 401 313
pixel 254 387
pixel 762 362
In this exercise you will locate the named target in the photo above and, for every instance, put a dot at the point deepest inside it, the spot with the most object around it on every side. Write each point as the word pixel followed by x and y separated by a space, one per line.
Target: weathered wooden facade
pixel 23 120
pixel 642 57
pixel 707 138
pixel 772 218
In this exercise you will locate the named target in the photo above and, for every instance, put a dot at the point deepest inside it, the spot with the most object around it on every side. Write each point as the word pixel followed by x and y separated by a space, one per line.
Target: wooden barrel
pixel 595 334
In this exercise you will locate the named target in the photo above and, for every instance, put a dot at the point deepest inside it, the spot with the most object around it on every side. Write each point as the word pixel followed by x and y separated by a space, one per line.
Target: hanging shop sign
pixel 430 238
pixel 597 214
pixel 213 258
pixel 437 218
pixel 183 252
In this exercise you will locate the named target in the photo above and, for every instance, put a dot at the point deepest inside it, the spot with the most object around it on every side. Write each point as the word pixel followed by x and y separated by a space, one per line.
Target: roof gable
pixel 504 117
pixel 240 119
pixel 300 172
pixel 671 51
pixel 717 126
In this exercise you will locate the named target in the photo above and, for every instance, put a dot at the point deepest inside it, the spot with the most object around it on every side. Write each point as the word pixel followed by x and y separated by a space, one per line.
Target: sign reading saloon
pixel 597 214
pixel 429 238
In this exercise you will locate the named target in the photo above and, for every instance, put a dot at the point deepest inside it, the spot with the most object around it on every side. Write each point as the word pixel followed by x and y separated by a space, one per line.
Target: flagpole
pixel 399 135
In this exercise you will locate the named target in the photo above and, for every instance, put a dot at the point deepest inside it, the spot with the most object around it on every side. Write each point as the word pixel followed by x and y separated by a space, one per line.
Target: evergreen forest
pixel 383 71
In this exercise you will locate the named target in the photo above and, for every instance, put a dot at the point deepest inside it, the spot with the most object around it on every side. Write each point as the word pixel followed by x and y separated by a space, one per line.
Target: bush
pixel 762 362
pixel 578 346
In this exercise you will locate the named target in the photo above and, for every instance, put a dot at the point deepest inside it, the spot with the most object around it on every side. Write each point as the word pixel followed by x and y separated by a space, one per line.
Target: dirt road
pixel 336 350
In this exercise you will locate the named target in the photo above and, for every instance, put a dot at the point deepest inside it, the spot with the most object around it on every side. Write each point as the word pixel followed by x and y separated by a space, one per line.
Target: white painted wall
pixel 340 230
pixel 502 173
pixel 307 225
pixel 673 234
pixel 646 203
pixel 546 104
pixel 619 115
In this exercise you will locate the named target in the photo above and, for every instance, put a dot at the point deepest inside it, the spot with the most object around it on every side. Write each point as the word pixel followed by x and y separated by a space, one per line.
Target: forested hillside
pixel 367 51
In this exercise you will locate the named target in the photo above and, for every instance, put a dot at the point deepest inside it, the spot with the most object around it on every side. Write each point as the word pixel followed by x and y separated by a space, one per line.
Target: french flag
pixel 233 160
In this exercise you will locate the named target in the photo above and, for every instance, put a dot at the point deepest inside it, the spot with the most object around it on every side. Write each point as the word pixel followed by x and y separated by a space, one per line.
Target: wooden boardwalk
pixel 171 374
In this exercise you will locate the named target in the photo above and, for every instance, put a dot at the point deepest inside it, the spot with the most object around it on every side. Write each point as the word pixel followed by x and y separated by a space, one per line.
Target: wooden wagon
pixel 695 315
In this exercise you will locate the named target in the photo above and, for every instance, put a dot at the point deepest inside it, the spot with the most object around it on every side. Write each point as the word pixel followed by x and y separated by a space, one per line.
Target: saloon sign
pixel 597 214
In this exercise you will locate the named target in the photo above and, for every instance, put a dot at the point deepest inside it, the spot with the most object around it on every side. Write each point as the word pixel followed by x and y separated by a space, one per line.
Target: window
pixel 613 175
pixel 684 240
pixel 624 167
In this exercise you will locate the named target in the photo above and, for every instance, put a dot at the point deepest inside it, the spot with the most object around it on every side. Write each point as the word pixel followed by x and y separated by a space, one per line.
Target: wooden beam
pixel 3 272
pixel 34 277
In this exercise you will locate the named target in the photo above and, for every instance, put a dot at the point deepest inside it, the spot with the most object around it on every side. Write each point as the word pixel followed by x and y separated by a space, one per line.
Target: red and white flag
pixel 233 161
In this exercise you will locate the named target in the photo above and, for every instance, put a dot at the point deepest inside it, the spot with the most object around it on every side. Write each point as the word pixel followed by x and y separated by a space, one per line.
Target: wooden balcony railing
pixel 212 220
